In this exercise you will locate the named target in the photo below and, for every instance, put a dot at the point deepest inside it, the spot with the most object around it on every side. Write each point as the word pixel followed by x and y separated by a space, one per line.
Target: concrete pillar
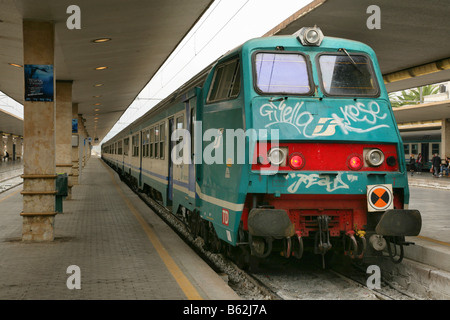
pixel 82 146
pixel 445 138
pixel 10 147
pixel 3 145
pixel 64 130
pixel 75 145
pixel 19 146
pixel 39 141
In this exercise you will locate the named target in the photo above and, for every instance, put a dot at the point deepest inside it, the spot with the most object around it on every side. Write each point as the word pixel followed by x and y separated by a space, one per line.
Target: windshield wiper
pixel 351 59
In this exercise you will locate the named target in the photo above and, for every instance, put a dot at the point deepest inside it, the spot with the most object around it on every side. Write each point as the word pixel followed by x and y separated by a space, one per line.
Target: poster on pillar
pixel 74 125
pixel 39 82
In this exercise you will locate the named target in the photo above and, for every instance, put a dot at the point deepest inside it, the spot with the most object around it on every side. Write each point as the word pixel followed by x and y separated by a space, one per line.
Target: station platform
pixel 123 250
pixel 431 196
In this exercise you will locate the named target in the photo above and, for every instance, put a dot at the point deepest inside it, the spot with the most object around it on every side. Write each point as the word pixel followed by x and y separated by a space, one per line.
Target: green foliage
pixel 409 97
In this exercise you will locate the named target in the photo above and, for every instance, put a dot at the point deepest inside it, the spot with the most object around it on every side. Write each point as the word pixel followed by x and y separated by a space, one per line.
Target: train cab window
pixel 281 73
pixel 162 136
pixel 226 82
pixel 347 75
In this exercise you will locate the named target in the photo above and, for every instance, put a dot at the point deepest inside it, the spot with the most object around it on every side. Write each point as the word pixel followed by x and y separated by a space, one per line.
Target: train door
pixel 170 164
pixel 425 149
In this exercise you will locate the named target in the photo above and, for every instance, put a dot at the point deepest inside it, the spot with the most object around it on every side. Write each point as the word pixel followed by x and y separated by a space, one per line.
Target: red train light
pixel 296 161
pixel 355 162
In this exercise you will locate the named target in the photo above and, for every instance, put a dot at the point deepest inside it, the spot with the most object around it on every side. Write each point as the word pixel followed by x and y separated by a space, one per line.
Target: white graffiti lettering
pixel 359 113
pixel 309 180
pixel 286 114
pixel 357 118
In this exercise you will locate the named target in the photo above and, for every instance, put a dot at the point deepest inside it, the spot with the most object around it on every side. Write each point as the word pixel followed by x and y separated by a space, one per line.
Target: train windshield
pixel 281 73
pixel 347 75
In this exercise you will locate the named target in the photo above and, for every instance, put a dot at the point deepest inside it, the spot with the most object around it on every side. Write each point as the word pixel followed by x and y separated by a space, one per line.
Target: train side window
pixel 135 145
pixel 156 142
pixel 152 141
pixel 126 146
pixel 180 125
pixel 162 137
pixel 343 75
pixel 226 82
pixel 414 148
pixel 145 143
pixel 434 148
pixel 119 147
pixel 406 147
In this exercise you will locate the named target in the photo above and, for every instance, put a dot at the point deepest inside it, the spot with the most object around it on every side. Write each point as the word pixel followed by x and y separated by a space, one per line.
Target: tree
pixel 413 96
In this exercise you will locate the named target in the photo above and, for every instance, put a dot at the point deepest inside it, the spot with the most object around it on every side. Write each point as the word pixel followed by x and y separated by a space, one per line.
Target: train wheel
pixel 287 247
pixel 297 248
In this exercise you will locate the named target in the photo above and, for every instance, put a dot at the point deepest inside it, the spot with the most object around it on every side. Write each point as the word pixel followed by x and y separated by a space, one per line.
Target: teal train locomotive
pixel 285 143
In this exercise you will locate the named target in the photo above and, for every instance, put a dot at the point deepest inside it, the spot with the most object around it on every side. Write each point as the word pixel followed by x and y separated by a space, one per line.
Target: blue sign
pixel 74 125
pixel 39 82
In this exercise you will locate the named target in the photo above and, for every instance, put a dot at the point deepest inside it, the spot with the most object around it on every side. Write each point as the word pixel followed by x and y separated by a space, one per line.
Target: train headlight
pixel 375 157
pixel 310 36
pixel 277 156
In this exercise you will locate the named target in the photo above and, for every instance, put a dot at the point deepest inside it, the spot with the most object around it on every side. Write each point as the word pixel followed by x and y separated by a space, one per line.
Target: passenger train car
pixel 427 143
pixel 285 143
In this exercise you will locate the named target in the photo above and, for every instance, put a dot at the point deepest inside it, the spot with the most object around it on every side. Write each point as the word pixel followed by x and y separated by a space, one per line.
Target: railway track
pixel 277 278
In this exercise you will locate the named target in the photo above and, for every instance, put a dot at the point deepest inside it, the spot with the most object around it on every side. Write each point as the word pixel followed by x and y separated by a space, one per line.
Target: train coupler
pixel 322 239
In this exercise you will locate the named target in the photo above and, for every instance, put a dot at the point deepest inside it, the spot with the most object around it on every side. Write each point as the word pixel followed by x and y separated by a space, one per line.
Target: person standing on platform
pixel 436 165
pixel 419 163
pixel 412 164
pixel 444 167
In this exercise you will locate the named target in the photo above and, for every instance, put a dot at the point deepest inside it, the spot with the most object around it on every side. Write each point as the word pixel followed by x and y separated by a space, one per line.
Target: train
pixel 284 144
pixel 427 143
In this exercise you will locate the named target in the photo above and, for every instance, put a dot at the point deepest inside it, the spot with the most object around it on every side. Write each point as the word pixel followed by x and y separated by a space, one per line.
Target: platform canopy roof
pixel 143 34
pixel 411 45
pixel 423 112
pixel 10 124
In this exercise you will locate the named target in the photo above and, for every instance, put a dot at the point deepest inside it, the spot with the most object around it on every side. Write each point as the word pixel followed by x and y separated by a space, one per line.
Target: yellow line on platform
pixel 433 240
pixel 184 283
pixel 10 195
